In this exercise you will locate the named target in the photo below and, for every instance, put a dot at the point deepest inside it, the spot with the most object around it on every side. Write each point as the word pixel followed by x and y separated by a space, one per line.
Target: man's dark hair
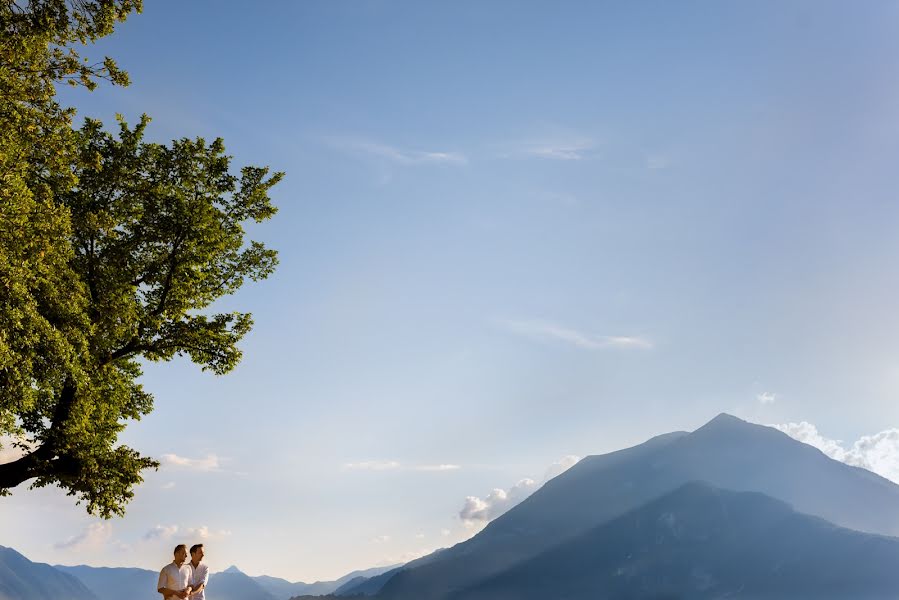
pixel 180 547
pixel 195 547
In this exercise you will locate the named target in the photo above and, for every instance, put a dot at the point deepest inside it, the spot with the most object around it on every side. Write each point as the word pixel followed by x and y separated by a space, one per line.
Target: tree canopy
pixel 112 250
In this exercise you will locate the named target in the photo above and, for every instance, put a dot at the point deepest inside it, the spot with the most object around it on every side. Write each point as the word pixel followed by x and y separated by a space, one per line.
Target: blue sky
pixel 510 233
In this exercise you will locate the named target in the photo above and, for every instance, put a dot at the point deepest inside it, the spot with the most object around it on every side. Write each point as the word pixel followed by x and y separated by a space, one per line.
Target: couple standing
pixel 180 579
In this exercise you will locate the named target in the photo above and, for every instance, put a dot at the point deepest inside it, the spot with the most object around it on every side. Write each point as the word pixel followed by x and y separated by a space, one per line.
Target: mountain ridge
pixel 702 542
pixel 22 579
pixel 727 452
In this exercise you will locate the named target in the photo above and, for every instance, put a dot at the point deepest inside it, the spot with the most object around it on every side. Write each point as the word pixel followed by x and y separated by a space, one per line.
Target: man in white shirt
pixel 174 579
pixel 199 573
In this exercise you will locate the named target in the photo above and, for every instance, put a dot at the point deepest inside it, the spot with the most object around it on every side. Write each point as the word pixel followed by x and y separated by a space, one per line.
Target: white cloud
pixel 419 536
pixel 204 533
pixel 94 536
pixel 395 155
pixel 381 539
pixel 445 532
pixel 548 331
pixel 560 466
pixel 209 463
pixel 167 532
pixel 161 532
pixel 878 452
pixel 477 512
pixel 767 397
pixel 480 511
pixel 169 485
pixel 807 433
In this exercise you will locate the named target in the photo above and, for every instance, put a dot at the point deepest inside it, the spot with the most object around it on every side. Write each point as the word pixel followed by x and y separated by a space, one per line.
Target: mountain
pixel 351 584
pixel 232 584
pixel 283 589
pixel 366 586
pixel 703 542
pixel 726 452
pixel 107 583
pixel 21 579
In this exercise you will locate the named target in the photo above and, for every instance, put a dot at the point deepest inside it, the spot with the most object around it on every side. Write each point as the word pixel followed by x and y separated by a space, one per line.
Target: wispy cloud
pixel 393 154
pixel 878 452
pixel 372 465
pixel 436 468
pixel 559 151
pixel 548 331
pixel 477 512
pixel 392 465
pixel 94 536
pixel 657 161
pixel 558 146
pixel 208 463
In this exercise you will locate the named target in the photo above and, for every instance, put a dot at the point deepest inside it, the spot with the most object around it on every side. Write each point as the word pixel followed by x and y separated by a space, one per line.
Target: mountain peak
pixel 233 569
pixel 724 417
pixel 731 428
pixel 725 422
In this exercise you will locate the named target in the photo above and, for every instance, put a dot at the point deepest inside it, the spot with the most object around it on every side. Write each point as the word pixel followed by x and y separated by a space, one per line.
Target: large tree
pixel 112 250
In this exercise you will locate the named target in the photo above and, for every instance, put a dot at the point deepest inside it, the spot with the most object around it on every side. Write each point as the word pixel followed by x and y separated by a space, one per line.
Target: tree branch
pixel 38 462
pixel 169 276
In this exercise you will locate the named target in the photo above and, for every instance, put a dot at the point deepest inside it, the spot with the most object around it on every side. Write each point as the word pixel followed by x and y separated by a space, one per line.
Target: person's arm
pixel 202 584
pixel 161 586
pixel 166 592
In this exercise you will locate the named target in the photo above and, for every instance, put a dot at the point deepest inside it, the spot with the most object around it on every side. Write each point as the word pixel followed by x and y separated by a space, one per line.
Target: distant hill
pixel 370 586
pixel 726 452
pixel 107 583
pixel 21 579
pixel 366 586
pixel 702 542
pixel 282 589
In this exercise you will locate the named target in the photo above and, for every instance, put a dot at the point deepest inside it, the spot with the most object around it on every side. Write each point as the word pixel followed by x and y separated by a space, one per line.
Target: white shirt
pixel 200 575
pixel 175 578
